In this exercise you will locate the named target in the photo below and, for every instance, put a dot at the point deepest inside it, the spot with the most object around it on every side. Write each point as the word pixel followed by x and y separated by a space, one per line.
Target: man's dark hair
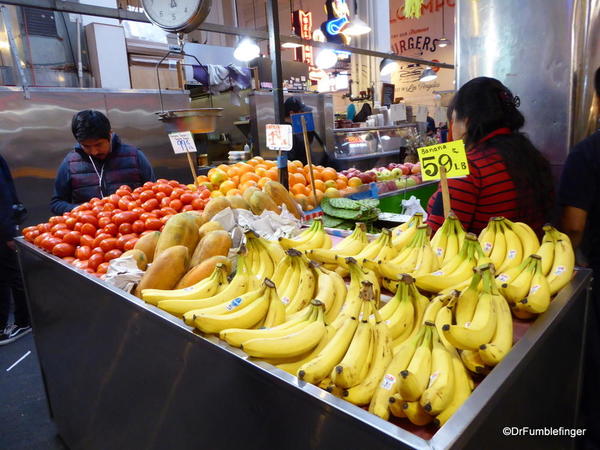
pixel 597 82
pixel 90 124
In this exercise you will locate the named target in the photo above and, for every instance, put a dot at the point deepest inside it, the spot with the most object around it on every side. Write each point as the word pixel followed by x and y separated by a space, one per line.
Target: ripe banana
pixel 304 291
pixel 347 373
pixel 546 250
pixel 403 234
pixel 514 248
pixel 538 298
pixel 414 379
pixel 467 300
pixel 526 235
pixel 402 320
pixel 416 414
pixel 517 290
pixel 472 361
pixel 440 390
pixel 462 391
pixel 499 251
pixel 395 405
pixel 276 313
pixel 291 365
pixel 563 264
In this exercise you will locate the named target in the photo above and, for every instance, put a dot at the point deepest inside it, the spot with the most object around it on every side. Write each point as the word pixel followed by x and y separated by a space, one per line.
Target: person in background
pixel 294 105
pixel 579 197
pixel 11 285
pixel 508 176
pixel 98 165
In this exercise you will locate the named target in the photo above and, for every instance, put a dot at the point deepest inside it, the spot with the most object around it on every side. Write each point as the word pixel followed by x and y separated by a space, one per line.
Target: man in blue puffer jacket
pixel 98 165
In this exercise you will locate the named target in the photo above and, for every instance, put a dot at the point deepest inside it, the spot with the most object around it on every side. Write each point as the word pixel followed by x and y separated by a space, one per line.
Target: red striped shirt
pixel 487 192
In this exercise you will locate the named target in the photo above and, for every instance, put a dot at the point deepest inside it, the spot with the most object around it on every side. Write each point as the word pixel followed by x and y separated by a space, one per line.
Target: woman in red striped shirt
pixel 508 176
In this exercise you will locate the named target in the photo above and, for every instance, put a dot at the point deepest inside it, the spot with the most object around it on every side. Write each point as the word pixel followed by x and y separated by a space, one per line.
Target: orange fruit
pixel 242 187
pixel 329 174
pixel 233 192
pixel 330 184
pixel 236 180
pixel 354 182
pixel 223 167
pixel 215 194
pixel 296 178
pixel 226 186
pixel 252 162
pixel 270 163
pixel 202 178
pixel 320 185
pixel 260 171
pixel 273 174
pixel 234 172
pixel 262 165
pixel 258 159
pixel 341 182
pixel 299 189
pixel 250 176
pixel 332 193
pixel 302 200
pixel 263 181
pixel 245 168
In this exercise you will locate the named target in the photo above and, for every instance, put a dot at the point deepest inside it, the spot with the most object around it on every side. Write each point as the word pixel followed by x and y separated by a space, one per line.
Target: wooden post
pixel 445 192
pixel 192 167
pixel 309 157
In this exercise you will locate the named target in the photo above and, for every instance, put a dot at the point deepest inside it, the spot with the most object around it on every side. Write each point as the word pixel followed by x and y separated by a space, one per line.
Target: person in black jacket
pixel 11 285
pixel 98 165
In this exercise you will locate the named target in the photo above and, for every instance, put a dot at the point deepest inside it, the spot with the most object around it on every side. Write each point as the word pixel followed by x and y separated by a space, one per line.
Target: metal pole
pixel 14 52
pixel 79 63
pixel 275 54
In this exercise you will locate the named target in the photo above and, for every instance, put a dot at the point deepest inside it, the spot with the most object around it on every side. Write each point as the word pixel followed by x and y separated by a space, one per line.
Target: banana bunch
pixel 558 258
pixel 417 258
pixel 359 277
pixel 507 243
pixel 275 251
pixel 262 258
pixel 351 245
pixel 247 311
pixel 313 237
pixel 448 239
pixel 403 234
pixel 477 322
pixel 424 382
pixel 528 290
pixel 296 281
pixel 206 288
pixel 242 282
pixel 455 273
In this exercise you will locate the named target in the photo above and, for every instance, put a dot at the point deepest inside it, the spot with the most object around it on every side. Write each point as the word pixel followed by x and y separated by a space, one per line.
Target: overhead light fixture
pixel 428 75
pixel 246 50
pixel 291 45
pixel 357 27
pixel 388 66
pixel 326 59
pixel 444 42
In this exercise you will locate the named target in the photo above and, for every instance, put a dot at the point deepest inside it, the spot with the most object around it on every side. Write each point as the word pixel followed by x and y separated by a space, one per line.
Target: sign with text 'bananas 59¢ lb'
pixel 451 155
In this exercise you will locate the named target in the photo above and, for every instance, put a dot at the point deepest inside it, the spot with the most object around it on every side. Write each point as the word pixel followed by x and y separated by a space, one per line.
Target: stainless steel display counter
pixel 121 374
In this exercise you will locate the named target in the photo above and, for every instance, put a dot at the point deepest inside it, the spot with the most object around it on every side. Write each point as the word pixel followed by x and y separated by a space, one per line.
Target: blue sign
pixel 297 122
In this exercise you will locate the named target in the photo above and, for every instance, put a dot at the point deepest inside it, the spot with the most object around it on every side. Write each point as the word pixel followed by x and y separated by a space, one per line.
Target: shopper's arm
pixel 573 223
pixel 61 199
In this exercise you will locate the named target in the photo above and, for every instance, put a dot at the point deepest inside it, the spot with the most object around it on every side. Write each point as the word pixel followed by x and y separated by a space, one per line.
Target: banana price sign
pixel 450 155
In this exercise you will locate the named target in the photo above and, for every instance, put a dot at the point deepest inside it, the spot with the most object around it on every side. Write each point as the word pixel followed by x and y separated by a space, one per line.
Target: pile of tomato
pixel 100 230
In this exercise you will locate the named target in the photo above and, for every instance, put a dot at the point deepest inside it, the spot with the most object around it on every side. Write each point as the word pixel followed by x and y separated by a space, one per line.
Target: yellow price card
pixel 451 155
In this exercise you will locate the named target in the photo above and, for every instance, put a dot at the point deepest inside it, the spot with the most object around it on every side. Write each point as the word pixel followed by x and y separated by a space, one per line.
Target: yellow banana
pixel 546 250
pixel 526 235
pixel 440 390
pixel 402 321
pixel 472 361
pixel 403 234
pixel 292 367
pixel 563 264
pixel 516 290
pixel 304 291
pixel 487 237
pixel 462 391
pixel 276 313
pixel 435 305
pixel 346 374
pixel 467 300
pixel 538 298
pixel 282 270
pixel 416 414
pixel 414 379
pixel 395 405
pixel 514 249
pixel 498 254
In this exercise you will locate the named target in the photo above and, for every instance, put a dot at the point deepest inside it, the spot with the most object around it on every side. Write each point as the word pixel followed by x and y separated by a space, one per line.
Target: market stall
pixel 120 373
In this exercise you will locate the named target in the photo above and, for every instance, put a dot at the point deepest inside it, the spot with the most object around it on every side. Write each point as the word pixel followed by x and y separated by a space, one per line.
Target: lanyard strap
pixel 99 175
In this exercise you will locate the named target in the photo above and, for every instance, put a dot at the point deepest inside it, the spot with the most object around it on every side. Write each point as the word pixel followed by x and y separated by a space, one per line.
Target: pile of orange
pixel 228 180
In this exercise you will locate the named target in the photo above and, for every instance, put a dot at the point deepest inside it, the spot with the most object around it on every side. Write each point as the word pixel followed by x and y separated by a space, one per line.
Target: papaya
pixel 215 206
pixel 238 202
pixel 166 270
pixel 181 229
pixel 248 193
pixel 138 256
pixel 261 201
pixel 147 244
pixel 203 270
pixel 215 243
pixel 198 216
pixel 281 196
pixel 208 227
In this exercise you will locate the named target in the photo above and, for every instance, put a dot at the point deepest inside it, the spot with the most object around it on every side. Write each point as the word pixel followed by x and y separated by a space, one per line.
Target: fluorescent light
pixel 357 27
pixel 326 59
pixel 388 66
pixel 247 50
pixel 291 45
pixel 428 75
pixel 444 42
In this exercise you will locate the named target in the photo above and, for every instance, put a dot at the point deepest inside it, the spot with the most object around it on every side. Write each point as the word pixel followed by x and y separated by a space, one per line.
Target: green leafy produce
pixel 345 203
pixel 332 222
pixel 340 213
pixel 369 202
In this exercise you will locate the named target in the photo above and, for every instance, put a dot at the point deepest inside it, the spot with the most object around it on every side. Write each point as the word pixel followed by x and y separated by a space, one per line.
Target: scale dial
pixel 177 16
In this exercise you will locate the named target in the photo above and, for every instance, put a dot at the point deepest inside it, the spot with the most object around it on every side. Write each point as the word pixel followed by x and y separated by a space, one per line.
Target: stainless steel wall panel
pixel 528 47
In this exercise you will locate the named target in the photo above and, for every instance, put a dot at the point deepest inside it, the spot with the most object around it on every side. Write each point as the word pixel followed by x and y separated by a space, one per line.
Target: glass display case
pixel 365 148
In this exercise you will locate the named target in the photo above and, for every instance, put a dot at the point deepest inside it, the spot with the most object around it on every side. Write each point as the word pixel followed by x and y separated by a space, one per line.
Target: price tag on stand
pixel 443 161
pixel 279 137
pixel 183 142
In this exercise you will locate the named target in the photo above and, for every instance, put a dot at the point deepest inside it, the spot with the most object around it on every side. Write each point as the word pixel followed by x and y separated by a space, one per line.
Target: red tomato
pixel 89 218
pixel 78 226
pixel 71 222
pixel 188 208
pixel 102 268
pixel 95 260
pixel 173 183
pixel 50 242
pixel 125 228
pixel 148 184
pixel 80 264
pixel 204 193
pixel 60 234
pixel 121 241
pixel 153 224
pixel 165 188
pixel 130 244
pixel 114 253
pixel 122 191
pixel 69 259
pixel 135 204
pixel 58 226
pixel 146 195
pixel 164 202
pixel 73 238
pixel 56 219
pixel 83 252
pixel 100 238
pixel 86 239
pixel 167 212
pixel 138 190
pixel 123 203
pixel 103 221
pixel 176 204
pixel 187 198
pixel 124 217
pixel 150 205
pixel 97 250
pixel 63 249
pixel 108 244
pixel 97 209
pixel 111 228
pixel 108 207
pixel 145 216
pixel 161 181
pixel 30 236
pixel 160 195
pixel 138 226
pixel 176 193
pixel 164 219
pixel 88 228
pixel 29 229
pixel 198 204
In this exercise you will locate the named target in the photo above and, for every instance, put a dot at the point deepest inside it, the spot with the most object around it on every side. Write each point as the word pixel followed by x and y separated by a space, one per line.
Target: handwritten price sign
pixel 182 142
pixel 451 155
pixel 279 137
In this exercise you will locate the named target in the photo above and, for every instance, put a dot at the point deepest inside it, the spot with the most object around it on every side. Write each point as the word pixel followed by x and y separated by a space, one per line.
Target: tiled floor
pixel 24 417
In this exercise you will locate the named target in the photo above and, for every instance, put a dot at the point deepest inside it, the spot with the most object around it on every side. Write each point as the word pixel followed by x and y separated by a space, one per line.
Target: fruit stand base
pixel 120 374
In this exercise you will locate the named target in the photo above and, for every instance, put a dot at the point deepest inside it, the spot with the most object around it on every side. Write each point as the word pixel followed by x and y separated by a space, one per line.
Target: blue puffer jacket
pixel 77 180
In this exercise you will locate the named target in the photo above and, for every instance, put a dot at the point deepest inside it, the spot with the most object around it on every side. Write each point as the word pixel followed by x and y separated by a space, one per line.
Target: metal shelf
pixel 368 156
pixel 367 129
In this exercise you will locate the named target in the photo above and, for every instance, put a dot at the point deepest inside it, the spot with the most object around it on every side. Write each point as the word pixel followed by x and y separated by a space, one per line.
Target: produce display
pixel 98 231
pixel 343 213
pixel 393 177
pixel 414 357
